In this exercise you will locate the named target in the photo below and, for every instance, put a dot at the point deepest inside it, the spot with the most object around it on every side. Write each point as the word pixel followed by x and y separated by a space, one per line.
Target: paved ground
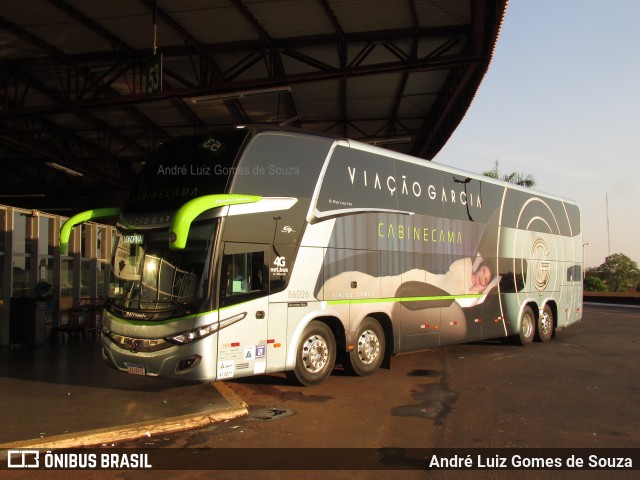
pixel 577 391
pixel 575 395
pixel 63 395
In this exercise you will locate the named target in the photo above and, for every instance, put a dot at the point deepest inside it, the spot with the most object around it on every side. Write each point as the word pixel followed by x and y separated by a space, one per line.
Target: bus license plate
pixel 136 369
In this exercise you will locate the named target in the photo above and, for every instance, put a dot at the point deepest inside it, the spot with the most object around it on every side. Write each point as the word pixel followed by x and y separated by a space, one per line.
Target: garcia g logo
pixel 540 265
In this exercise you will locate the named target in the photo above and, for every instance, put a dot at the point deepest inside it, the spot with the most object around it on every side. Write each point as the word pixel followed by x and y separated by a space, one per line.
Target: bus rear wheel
pixel 544 328
pixel 315 356
pixel 369 350
pixel 527 329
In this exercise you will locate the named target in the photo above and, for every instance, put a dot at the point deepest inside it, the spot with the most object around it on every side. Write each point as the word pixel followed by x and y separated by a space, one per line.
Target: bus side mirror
pixel 187 213
pixel 82 217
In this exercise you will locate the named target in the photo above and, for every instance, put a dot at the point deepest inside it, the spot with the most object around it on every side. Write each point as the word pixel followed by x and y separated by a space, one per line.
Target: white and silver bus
pixel 244 251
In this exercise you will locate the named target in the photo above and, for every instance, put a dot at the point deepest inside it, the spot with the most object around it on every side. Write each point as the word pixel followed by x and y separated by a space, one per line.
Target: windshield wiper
pixel 180 306
pixel 185 308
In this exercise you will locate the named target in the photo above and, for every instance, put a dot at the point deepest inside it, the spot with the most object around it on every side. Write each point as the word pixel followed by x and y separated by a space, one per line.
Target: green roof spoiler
pixel 187 213
pixel 82 217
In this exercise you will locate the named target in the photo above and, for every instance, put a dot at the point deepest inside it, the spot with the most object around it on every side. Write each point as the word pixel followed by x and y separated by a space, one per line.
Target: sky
pixel 561 101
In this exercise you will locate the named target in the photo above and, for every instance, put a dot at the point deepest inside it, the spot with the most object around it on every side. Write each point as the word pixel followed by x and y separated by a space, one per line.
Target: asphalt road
pixel 581 390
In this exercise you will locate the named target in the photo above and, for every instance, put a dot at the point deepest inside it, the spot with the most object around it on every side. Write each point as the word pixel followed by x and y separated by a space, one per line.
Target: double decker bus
pixel 244 251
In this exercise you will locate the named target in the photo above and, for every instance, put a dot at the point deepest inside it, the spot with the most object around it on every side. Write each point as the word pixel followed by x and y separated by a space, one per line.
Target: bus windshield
pixel 147 275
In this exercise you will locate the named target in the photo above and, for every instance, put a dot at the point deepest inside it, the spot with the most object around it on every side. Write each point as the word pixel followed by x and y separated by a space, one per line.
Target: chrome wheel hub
pixel 368 347
pixel 315 353
pixel 527 325
pixel 545 323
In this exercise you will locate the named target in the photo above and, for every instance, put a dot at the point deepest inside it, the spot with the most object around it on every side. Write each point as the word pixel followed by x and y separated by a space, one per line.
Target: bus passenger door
pixel 244 308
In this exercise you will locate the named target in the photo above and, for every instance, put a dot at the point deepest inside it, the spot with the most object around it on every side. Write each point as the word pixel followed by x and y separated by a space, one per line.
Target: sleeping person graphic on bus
pixel 467 279
pixel 466 276
pixel 463 277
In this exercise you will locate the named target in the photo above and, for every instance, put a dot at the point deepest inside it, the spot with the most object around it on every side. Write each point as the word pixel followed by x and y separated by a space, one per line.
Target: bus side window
pixel 242 277
pixel 574 273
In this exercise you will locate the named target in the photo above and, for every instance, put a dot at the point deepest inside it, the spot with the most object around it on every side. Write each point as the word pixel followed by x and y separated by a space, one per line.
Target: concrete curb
pixel 237 408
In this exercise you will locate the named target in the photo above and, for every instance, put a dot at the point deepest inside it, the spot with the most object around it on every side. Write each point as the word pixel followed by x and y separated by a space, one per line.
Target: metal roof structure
pixel 90 88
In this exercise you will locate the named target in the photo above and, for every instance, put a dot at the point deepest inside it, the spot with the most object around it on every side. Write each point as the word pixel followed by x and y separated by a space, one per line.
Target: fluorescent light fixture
pixel 242 94
pixel 386 141
pixel 64 169
pixel 291 120
pixel 23 195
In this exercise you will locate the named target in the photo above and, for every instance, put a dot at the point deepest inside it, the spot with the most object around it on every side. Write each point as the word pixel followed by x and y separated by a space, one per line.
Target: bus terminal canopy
pixel 89 91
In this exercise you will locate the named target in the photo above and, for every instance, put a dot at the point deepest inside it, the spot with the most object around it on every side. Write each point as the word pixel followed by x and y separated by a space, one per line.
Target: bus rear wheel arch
pixel 369 349
pixel 315 355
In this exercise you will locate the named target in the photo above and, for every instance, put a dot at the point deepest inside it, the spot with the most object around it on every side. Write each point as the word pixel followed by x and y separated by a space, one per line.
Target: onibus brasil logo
pixel 37 460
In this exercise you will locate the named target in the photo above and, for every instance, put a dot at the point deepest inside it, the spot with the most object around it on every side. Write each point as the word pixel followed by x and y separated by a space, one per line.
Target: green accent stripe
pixel 329 302
pixel 145 323
pixel 401 299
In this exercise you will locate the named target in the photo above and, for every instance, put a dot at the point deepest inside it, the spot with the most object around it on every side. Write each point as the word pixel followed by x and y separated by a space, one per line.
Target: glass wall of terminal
pixel 66 291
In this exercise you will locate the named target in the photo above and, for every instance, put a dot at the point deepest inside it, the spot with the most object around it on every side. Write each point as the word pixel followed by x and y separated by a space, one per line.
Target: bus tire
pixel 369 350
pixel 527 329
pixel 315 355
pixel 544 327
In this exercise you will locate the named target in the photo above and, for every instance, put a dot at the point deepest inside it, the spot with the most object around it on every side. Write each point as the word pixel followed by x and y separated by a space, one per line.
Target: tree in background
pixel 522 179
pixel 594 284
pixel 618 272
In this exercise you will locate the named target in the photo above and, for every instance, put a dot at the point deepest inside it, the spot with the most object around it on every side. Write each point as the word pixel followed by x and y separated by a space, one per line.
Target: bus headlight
pixel 136 345
pixel 195 334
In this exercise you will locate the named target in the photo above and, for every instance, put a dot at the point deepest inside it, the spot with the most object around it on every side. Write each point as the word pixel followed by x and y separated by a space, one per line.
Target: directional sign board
pixel 154 75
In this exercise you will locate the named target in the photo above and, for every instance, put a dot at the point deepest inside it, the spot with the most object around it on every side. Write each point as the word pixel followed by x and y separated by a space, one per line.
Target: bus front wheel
pixel 527 328
pixel 368 352
pixel 315 355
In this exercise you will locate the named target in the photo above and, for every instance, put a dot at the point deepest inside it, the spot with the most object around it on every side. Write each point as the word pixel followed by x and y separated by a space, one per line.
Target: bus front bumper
pixel 195 361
